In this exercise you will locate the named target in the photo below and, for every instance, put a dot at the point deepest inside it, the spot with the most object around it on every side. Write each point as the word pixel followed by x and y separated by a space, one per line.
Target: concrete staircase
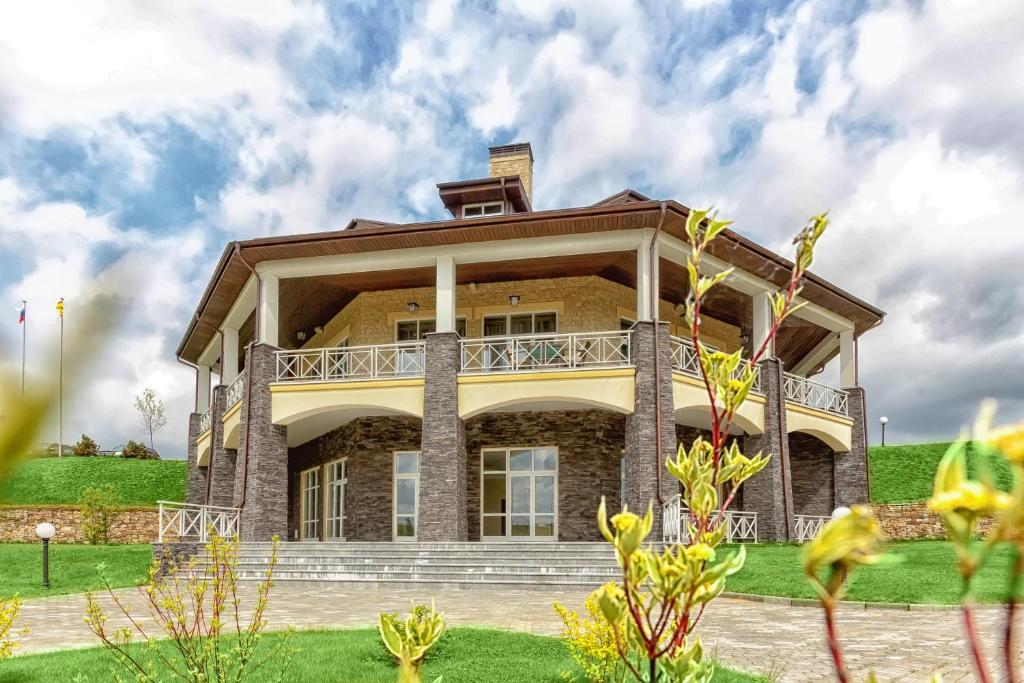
pixel 455 564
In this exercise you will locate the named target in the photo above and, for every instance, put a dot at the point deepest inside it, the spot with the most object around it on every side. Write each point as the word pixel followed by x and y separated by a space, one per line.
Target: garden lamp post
pixel 884 420
pixel 45 531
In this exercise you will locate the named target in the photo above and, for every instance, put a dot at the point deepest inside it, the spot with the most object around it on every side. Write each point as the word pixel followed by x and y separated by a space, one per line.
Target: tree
pixel 134 449
pixel 151 410
pixel 85 446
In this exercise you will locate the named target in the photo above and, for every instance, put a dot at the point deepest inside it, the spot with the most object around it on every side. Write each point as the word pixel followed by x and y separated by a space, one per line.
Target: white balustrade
pixel 808 526
pixel 740 525
pixel 191 522
pixel 234 393
pixel 352 363
pixel 811 394
pixel 546 352
pixel 205 421
pixel 686 361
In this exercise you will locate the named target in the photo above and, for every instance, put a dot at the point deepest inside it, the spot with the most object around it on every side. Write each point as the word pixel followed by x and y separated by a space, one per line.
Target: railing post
pixel 160 524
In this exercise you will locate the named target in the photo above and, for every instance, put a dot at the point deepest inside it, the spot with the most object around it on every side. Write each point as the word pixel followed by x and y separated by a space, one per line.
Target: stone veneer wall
pixel 811 466
pixel 910 521
pixel 851 469
pixel 768 493
pixel 195 484
pixel 131 525
pixel 589 453
pixel 369 444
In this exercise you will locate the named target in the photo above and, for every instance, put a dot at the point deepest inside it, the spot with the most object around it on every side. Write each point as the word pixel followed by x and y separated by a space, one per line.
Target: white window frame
pixel 418 321
pixel 330 485
pixel 306 525
pixel 483 206
pixel 533 494
pixel 395 478
pixel 508 322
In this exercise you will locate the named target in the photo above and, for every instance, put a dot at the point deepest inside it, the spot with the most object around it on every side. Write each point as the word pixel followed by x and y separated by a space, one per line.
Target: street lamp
pixel 884 420
pixel 46 531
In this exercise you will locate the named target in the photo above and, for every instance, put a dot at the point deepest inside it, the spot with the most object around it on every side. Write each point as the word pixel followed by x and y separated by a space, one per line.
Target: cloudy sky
pixel 137 138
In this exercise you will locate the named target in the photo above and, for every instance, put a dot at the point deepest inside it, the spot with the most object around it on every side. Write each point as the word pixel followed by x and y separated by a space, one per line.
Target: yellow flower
pixel 700 552
pixel 1009 441
pixel 970 496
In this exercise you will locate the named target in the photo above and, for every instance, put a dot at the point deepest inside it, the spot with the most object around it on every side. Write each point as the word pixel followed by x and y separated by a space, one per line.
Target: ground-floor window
pixel 337 482
pixel 406 494
pixel 310 506
pixel 519 493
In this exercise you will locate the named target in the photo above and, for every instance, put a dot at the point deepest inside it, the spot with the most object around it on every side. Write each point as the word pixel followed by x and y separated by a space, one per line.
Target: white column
pixel 203 389
pixel 267 332
pixel 763 319
pixel 445 294
pixel 847 360
pixel 646 278
pixel 229 356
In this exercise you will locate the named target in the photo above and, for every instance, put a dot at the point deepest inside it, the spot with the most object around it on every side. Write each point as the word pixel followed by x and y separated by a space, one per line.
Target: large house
pixel 493 375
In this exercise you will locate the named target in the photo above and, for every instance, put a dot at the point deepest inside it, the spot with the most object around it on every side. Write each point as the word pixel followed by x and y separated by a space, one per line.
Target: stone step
pixel 304 546
pixel 438 579
pixel 383 557
pixel 435 569
pixel 422 561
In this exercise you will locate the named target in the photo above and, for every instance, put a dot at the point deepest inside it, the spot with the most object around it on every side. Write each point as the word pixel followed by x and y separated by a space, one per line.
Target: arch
pixel 836 431
pixel 203 447
pixel 317 421
pixel 610 390
pixel 812 462
pixel 692 407
pixel 543 404
pixel 831 440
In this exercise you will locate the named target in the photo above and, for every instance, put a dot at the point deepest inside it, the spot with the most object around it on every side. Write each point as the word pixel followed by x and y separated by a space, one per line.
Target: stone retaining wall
pixel 913 521
pixel 131 525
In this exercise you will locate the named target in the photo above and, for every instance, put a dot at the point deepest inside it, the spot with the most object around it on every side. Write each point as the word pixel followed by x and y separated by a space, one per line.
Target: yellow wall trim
pixel 552 375
pixel 231 412
pixel 288 387
pixel 797 408
pixel 205 435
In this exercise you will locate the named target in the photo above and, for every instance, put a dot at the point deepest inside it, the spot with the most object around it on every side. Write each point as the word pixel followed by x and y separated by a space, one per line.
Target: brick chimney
pixel 514 159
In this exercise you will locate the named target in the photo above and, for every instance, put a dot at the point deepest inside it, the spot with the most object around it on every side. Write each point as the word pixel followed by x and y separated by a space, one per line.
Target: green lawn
pixel 47 481
pixel 356 656
pixel 72 567
pixel 927 574
pixel 906 474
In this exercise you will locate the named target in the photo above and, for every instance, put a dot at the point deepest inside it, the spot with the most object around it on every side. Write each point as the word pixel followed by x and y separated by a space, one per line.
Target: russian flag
pixel 21 314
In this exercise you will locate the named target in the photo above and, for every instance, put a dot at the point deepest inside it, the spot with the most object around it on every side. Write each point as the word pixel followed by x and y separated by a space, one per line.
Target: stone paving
pixel 785 641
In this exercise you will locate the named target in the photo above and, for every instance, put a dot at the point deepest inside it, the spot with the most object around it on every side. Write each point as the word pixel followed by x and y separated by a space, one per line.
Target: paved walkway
pixel 782 640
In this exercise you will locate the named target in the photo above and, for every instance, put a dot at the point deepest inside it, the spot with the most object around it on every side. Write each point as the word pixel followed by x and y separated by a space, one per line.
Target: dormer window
pixel 485 209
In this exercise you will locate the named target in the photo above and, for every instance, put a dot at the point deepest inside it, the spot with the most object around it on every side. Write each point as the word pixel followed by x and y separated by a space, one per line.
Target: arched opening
pixel 812 474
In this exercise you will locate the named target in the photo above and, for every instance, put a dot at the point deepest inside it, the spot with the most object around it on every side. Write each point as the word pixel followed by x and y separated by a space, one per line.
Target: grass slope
pixel 357 656
pixel 905 474
pixel 48 481
pixel 926 574
pixel 72 567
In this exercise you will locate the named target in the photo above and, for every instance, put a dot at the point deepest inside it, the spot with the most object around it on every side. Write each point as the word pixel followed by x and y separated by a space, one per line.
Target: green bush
pixel 134 449
pixel 86 447
pixel 99 506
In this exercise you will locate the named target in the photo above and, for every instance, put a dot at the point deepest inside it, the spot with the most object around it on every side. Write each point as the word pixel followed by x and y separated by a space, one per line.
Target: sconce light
pixel 301 335
pixel 472 286
pixel 318 330
pixel 514 300
pixel 413 306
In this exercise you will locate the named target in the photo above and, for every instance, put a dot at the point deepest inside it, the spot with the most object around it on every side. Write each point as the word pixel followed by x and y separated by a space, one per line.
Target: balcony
pixel 815 395
pixel 345 364
pixel 686 361
pixel 234 393
pixel 533 353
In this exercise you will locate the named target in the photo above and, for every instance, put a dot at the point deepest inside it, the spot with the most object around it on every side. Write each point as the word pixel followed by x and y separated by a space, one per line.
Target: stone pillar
pixel 442 495
pixel 261 488
pixel 222 460
pixel 851 469
pixel 641 458
pixel 769 493
pixel 195 486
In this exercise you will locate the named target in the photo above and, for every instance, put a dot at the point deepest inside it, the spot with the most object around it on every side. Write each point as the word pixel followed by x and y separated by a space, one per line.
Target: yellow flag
pixel 60 307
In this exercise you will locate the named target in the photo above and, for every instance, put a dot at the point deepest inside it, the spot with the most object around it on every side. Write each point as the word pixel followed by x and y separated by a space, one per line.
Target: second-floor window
pixel 414 330
pixel 520 323
pixel 487 209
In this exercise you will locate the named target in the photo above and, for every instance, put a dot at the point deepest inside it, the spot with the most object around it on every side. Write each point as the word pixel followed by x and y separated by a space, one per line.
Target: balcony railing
pixel 351 363
pixel 546 352
pixel 234 393
pixel 205 420
pixel 811 394
pixel 190 522
pixel 740 526
pixel 686 361
pixel 808 526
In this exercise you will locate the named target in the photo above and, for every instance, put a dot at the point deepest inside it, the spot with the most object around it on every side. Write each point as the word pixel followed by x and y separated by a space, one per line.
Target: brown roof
pixel 494 189
pixel 238 258
pixel 624 197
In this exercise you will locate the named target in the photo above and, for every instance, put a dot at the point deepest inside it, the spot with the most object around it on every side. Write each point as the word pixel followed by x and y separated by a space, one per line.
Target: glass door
pixel 519 492
pixel 337 481
pixel 310 504
pixel 406 494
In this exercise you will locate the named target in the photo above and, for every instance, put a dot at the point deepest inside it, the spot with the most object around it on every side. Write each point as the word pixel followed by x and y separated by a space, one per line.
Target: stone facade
pixel 195 485
pixel 177 553
pixel 851 469
pixel 130 525
pixel 262 493
pixel 769 492
pixel 811 461
pixel 589 446
pixel 222 460
pixel 642 461
pixel 442 507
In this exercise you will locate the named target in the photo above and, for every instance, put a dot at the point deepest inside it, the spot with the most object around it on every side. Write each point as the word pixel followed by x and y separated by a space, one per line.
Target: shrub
pixel 86 447
pixel 198 608
pixel 590 641
pixel 410 640
pixel 134 449
pixel 8 637
pixel 99 507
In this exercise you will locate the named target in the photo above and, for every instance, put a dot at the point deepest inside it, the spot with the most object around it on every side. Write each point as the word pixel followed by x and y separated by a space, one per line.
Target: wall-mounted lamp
pixel 514 300
pixel 318 330
pixel 301 335
pixel 472 286
pixel 413 306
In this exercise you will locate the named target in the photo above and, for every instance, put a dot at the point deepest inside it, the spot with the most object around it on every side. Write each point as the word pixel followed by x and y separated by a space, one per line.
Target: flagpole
pixel 60 385
pixel 24 327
